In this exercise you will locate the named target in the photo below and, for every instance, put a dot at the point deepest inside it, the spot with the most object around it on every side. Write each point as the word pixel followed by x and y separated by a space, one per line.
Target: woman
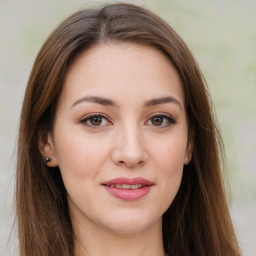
pixel 118 151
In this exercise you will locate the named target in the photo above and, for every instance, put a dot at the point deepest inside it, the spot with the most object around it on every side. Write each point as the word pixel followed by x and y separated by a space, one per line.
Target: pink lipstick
pixel 128 189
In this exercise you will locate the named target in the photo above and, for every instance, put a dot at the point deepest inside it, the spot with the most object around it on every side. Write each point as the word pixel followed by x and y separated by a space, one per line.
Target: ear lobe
pixel 189 150
pixel 46 148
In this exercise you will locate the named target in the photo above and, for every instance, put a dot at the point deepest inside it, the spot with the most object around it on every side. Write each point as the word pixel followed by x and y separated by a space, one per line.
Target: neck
pixel 96 241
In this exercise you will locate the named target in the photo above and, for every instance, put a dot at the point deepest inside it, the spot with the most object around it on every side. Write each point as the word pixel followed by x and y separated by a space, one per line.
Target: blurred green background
pixel 222 36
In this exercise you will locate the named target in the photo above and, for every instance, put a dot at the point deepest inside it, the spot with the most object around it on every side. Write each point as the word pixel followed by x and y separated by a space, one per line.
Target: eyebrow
pixel 111 103
pixel 96 99
pixel 162 100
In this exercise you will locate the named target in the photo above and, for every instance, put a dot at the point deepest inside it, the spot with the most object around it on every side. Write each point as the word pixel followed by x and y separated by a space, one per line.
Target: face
pixel 120 137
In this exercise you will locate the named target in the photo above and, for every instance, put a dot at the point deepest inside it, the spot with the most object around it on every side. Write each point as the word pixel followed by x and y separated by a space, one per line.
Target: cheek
pixel 81 158
pixel 78 155
pixel 171 153
pixel 169 160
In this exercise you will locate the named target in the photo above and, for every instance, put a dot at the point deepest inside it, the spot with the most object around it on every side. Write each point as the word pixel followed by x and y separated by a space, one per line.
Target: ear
pixel 189 150
pixel 46 148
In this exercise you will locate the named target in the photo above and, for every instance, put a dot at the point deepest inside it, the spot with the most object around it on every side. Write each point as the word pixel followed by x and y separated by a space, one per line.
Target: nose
pixel 129 150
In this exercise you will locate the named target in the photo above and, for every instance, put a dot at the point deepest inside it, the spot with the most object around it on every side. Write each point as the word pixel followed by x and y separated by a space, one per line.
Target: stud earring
pixel 47 160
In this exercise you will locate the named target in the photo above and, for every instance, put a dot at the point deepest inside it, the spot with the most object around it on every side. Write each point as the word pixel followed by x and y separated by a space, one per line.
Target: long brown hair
pixel 198 220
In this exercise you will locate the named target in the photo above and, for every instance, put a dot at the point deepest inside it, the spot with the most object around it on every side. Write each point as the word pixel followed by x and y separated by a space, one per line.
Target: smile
pixel 128 189
pixel 127 186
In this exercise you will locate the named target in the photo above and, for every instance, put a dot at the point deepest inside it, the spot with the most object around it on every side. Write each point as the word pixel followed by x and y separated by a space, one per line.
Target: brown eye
pixel 161 121
pixel 157 120
pixel 96 120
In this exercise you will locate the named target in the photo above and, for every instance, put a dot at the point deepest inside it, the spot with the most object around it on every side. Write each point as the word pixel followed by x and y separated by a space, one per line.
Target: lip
pixel 129 181
pixel 128 194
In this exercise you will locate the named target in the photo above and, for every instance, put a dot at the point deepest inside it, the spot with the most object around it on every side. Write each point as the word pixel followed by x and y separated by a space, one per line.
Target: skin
pixel 128 142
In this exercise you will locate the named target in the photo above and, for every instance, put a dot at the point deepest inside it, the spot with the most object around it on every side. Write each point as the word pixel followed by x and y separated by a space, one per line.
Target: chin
pixel 130 224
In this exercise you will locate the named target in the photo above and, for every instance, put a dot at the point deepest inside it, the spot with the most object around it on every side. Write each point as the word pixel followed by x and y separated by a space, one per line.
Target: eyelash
pixel 91 116
pixel 169 120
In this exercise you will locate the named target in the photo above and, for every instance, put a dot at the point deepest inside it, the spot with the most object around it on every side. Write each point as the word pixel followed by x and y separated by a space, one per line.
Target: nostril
pixel 130 164
pixel 129 154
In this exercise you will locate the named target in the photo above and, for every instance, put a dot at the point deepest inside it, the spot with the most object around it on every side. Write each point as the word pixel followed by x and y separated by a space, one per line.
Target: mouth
pixel 127 186
pixel 128 189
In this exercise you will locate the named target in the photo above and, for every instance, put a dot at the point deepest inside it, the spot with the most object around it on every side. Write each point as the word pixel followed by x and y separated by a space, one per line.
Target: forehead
pixel 112 69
